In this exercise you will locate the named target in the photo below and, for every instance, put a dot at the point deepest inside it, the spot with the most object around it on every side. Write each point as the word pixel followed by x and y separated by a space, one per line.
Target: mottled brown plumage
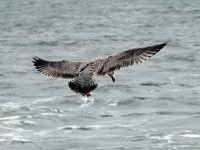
pixel 79 70
pixel 64 69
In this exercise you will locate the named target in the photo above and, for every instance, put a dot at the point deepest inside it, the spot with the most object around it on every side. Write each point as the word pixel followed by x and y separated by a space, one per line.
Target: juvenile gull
pixel 82 73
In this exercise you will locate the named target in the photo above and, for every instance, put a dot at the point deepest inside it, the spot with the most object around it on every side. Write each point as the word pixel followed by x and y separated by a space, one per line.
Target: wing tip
pixel 160 46
pixel 38 63
pixel 35 59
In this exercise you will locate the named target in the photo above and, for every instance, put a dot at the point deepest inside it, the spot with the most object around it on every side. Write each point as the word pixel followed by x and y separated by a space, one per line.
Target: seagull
pixel 83 73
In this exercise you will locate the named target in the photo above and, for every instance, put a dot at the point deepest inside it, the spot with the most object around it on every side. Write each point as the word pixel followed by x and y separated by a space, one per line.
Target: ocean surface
pixel 151 106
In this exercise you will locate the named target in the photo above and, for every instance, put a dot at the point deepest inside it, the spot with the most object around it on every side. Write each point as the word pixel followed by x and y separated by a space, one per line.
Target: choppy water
pixel 155 105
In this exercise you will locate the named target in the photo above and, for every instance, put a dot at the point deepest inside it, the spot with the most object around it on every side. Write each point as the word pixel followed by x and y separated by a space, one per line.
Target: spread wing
pixel 64 69
pixel 129 57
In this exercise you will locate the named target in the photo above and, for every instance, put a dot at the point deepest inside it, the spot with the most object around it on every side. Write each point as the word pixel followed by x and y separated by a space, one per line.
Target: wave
pixel 76 127
pixel 17 121
pixel 93 127
pixel 47 43
pixel 44 100
pixel 11 138
pixel 10 106
pixel 153 84
pixel 191 135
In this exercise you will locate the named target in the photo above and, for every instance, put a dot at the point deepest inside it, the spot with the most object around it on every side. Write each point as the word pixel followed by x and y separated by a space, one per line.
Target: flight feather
pixel 129 57
pixel 64 68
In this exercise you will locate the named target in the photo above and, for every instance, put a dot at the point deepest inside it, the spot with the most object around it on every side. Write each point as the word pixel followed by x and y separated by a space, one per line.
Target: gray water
pixel 152 106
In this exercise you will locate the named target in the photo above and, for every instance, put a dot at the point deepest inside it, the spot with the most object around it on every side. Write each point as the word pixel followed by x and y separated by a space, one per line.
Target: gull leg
pixel 112 77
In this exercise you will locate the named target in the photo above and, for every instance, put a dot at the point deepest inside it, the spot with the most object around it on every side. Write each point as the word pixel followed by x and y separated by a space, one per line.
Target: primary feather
pixel 129 57
pixel 64 69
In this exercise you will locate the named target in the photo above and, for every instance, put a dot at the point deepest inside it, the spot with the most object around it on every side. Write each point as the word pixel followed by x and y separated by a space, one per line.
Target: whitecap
pixel 9 118
pixel 10 106
pixel 28 122
pixel 191 135
pixel 44 100
pixel 113 104
pixel 14 129
pixel 168 138
pixel 68 127
pixel 16 121
pixel 12 122
pixel 42 133
pixel 52 114
pixel 13 138
pixel 76 127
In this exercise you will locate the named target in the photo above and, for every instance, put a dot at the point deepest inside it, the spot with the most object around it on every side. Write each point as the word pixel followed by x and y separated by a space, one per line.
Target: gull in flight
pixel 83 73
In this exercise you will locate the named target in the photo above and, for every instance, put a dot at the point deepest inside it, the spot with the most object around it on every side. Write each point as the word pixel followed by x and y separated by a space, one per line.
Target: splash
pixel 87 101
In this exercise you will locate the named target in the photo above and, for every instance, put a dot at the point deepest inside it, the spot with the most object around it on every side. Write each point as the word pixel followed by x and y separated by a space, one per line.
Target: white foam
pixel 43 100
pixel 9 118
pixel 52 114
pixel 191 135
pixel 87 101
pixel 69 127
pixel 72 127
pixel 12 122
pixel 113 104
pixel 15 120
pixel 13 137
pixel 29 122
pixel 168 138
pixel 42 133
pixel 9 128
pixel 11 106
pixel 75 127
